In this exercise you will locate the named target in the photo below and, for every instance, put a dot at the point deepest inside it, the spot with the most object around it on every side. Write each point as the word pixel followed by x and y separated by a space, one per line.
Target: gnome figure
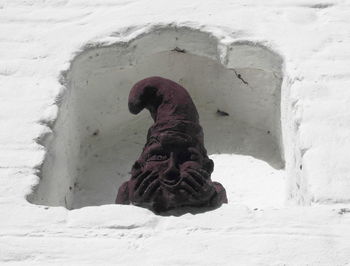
pixel 173 170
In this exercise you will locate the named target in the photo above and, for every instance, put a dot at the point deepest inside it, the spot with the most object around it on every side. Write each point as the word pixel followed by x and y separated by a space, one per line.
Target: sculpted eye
pixel 188 156
pixel 157 157
pixel 194 157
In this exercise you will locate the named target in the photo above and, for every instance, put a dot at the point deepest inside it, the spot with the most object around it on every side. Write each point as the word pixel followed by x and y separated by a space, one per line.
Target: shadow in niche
pixel 96 140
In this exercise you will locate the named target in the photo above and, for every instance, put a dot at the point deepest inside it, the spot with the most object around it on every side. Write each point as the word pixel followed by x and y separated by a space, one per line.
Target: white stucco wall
pixel 39 39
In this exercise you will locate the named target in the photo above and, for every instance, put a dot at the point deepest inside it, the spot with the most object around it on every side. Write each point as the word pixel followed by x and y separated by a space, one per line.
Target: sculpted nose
pixel 172 173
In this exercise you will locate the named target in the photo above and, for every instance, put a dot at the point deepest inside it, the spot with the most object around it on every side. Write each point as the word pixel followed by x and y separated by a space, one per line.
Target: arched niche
pixel 95 139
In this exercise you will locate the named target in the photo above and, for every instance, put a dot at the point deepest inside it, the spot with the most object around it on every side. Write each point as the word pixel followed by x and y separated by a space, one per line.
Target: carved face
pixel 172 171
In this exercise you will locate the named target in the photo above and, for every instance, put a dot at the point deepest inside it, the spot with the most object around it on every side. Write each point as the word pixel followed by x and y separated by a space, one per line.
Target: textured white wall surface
pixel 309 44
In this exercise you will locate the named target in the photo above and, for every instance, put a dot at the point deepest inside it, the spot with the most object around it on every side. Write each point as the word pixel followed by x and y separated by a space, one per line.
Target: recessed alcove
pixel 95 140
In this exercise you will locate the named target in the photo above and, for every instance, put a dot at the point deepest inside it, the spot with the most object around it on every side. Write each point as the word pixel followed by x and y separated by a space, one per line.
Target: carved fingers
pixel 198 184
pixel 145 186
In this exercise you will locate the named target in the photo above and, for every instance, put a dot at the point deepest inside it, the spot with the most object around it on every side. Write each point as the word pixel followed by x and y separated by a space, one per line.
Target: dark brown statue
pixel 173 170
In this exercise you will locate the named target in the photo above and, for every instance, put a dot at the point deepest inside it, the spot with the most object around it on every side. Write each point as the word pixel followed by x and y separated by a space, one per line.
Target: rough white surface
pixel 39 39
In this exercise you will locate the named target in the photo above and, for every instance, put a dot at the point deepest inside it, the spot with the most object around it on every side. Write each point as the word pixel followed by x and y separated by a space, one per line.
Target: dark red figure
pixel 173 170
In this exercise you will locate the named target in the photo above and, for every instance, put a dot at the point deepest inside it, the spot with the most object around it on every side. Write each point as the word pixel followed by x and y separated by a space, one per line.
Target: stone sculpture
pixel 173 170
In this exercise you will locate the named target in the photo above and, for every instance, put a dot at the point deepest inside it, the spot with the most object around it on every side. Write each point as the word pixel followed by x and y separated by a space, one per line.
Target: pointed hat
pixel 170 105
